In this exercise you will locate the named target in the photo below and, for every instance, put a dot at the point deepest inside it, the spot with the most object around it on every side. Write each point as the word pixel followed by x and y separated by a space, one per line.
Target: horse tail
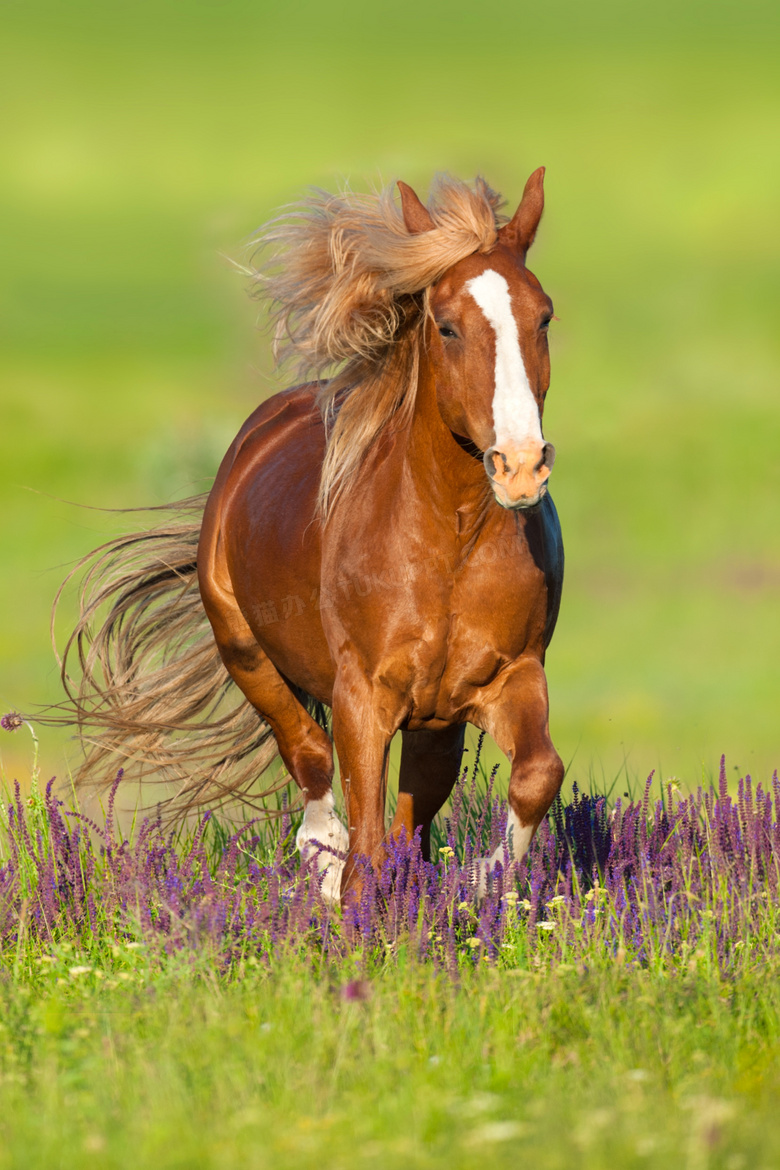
pixel 146 688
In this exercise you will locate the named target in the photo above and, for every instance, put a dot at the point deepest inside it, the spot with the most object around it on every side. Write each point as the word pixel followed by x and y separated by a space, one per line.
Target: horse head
pixel 486 340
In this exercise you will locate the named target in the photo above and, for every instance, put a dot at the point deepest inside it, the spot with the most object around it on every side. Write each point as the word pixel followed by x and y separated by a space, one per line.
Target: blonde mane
pixel 346 282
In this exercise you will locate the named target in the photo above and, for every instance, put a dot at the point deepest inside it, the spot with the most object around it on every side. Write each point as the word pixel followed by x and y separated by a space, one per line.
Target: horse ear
pixel 520 231
pixel 416 216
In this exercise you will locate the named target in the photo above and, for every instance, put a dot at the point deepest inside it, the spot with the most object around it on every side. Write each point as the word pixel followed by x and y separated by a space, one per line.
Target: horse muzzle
pixel 518 473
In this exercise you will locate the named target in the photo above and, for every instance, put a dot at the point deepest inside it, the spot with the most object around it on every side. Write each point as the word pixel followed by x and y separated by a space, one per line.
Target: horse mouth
pixel 523 504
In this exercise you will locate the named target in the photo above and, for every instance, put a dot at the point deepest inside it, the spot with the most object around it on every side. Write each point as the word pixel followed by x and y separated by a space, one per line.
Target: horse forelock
pixel 346 282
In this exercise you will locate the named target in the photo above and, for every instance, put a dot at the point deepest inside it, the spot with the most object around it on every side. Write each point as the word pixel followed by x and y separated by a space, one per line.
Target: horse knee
pixel 307 754
pixel 534 785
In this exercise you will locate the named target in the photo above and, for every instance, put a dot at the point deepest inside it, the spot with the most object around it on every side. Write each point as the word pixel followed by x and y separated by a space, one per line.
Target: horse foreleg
pixel 430 762
pixel 518 721
pixel 364 722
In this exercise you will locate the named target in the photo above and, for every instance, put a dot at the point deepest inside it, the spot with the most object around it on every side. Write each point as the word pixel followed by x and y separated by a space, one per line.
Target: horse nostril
pixel 500 468
pixel 496 463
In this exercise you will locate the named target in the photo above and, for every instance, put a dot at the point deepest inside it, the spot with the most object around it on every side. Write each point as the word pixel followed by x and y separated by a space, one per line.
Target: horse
pixel 379 540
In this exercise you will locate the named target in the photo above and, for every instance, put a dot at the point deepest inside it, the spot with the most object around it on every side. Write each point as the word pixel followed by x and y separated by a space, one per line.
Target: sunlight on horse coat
pixel 379 539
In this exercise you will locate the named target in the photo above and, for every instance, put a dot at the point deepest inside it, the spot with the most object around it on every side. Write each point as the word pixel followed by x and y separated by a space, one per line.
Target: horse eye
pixel 446 331
pixel 545 325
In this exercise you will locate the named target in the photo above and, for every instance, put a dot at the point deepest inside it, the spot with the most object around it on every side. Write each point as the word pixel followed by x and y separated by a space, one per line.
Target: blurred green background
pixel 141 143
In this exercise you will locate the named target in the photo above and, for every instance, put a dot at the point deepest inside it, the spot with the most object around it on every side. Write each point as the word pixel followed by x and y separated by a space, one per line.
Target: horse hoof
pixel 330 886
pixel 480 876
pixel 327 864
pixel 323 838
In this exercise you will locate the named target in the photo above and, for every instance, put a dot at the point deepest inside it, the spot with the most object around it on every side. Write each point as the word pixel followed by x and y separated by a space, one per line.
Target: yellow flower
pixel 597 892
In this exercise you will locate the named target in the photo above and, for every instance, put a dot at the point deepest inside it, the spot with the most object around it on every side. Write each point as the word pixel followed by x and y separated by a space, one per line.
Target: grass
pixel 569 1066
pixel 186 1001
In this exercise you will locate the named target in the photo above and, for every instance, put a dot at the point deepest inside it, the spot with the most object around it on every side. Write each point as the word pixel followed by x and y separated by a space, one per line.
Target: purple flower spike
pixel 635 880
pixel 12 721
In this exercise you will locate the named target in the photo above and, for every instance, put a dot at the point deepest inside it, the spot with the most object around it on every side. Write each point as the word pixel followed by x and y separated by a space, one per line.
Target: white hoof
pixel 322 838
pixel 330 886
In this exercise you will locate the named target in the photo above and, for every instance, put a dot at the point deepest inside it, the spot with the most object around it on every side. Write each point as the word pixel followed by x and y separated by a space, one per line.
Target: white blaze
pixel 515 412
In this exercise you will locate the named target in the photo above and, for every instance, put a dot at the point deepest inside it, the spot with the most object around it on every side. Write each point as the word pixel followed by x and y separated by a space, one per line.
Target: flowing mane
pixel 346 282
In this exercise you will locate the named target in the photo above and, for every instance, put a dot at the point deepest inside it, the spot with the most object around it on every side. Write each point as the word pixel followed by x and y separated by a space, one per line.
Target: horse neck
pixel 451 479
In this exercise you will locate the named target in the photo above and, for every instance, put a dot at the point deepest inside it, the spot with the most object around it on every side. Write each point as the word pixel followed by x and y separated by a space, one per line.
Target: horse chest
pixel 497 615
pixel 438 628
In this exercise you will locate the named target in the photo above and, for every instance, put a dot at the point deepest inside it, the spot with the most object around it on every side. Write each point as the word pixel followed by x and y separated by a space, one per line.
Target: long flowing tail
pixel 146 688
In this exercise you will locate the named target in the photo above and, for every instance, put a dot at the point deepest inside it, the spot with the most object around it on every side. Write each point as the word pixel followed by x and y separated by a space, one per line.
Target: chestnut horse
pixel 382 541
pixel 427 597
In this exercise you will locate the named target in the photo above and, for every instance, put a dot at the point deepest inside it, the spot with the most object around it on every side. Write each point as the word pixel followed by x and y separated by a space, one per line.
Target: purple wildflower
pixel 12 721
pixel 356 989
pixel 638 879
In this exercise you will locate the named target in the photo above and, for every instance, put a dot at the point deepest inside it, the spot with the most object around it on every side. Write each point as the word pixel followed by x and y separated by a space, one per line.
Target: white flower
pixel 494 1131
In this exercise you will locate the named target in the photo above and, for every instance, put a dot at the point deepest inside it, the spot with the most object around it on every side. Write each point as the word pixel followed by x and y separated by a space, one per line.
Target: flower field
pixel 664 883
pixel 611 1001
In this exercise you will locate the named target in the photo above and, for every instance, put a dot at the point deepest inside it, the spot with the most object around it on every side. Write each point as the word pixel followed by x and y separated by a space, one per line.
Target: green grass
pixel 122 1044
pixel 582 1066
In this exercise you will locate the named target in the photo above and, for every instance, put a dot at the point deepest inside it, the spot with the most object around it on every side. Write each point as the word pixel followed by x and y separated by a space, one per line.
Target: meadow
pixel 184 1000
